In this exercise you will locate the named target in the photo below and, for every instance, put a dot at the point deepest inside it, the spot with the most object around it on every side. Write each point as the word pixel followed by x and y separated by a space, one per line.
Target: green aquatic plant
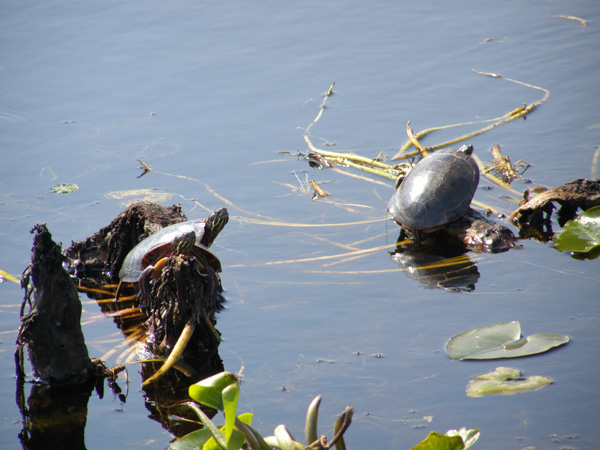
pixel 581 235
pixel 64 188
pixel 502 340
pixel 221 392
pixel 504 381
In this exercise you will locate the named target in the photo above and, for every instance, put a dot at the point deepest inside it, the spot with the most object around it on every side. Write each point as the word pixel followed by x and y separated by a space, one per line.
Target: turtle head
pixel 214 225
pixel 466 149
pixel 184 242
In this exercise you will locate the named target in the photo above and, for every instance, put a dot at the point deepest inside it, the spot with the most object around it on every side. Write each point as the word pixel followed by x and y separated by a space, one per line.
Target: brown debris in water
pixel 535 213
pixel 476 232
pixel 103 253
pixel 183 293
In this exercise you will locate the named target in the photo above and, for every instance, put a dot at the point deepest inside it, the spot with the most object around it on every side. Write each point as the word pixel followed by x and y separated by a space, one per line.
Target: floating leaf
pixel 437 441
pixel 64 188
pixel 581 235
pixel 502 340
pixel 504 381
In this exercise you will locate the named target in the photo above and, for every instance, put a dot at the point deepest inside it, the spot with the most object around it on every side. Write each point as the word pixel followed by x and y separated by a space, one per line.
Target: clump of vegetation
pixel 221 392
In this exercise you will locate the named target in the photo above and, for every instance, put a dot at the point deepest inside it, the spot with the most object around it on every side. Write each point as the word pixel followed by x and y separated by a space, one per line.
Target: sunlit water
pixel 210 92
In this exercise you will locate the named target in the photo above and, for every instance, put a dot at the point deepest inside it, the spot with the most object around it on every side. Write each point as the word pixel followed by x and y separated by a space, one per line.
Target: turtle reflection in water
pixel 437 191
pixel 452 271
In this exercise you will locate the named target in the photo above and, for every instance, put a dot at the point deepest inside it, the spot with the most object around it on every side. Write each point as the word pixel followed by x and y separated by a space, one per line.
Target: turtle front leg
pixel 151 272
pixel 119 290
pixel 144 286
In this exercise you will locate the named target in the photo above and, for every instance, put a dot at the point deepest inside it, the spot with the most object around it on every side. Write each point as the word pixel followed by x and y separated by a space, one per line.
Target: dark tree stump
pixel 52 329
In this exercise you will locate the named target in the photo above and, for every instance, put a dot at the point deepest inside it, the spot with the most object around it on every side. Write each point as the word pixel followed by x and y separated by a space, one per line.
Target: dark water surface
pixel 211 91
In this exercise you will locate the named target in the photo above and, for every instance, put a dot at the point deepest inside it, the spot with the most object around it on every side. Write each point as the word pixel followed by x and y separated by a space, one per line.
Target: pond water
pixel 207 94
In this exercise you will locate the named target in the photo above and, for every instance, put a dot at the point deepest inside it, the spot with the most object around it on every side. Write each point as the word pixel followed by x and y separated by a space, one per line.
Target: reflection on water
pixel 451 270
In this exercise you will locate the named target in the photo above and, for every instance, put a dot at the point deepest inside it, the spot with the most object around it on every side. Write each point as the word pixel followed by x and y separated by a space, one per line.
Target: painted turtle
pixel 438 190
pixel 146 259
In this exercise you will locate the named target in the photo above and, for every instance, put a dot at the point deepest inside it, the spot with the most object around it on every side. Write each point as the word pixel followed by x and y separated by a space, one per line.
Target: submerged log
pixel 51 330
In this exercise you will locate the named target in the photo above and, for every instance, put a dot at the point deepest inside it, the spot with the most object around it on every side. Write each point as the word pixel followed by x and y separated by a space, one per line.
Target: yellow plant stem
pixel 175 354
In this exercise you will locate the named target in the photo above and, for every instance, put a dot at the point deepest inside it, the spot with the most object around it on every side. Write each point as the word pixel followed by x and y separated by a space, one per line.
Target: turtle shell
pixel 438 190
pixel 158 246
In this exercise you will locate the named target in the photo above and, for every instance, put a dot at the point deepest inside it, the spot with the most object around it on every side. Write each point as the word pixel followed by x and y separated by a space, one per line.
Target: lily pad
pixel 502 340
pixel 581 235
pixel 64 188
pixel 504 381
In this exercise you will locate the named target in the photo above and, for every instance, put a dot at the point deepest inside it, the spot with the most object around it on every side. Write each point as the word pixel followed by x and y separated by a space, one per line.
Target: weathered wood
pixel 581 193
pixel 473 230
pixel 103 253
pixel 51 330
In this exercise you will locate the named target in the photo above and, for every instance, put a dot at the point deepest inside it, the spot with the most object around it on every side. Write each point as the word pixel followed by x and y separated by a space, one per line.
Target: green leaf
pixel 192 441
pixel 253 437
pixel 214 430
pixel 312 417
pixel 504 380
pixel 581 235
pixel 237 439
pixel 64 188
pixel 469 436
pixel 230 398
pixel 199 438
pixel 436 441
pixel 502 340
pixel 285 439
pixel 209 391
